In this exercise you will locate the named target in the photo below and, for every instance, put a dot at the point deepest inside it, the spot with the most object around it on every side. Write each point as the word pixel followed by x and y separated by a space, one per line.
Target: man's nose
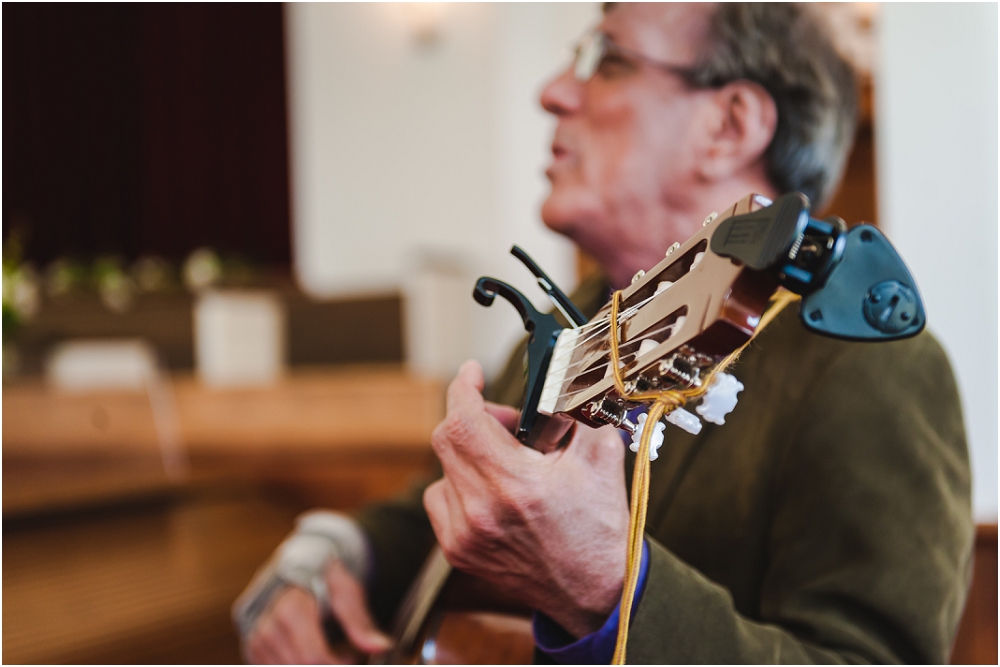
pixel 563 95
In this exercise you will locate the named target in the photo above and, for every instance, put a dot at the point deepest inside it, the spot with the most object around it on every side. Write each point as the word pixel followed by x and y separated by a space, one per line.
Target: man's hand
pixel 291 632
pixel 549 528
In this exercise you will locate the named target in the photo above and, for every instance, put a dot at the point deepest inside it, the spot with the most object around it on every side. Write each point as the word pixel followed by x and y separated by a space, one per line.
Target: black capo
pixel 542 328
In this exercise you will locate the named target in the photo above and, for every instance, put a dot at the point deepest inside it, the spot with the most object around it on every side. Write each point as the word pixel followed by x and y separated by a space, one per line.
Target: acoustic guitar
pixel 676 322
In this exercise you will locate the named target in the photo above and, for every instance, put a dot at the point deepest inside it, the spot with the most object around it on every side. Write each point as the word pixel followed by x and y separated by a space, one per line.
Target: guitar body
pixel 454 618
pixel 478 638
pixel 475 624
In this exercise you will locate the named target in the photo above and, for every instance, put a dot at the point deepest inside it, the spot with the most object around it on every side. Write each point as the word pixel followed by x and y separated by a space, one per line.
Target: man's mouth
pixel 561 158
pixel 561 149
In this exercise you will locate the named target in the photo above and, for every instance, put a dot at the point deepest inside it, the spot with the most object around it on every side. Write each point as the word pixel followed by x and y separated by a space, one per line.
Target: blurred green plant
pixel 21 295
pixel 115 287
pixel 64 276
pixel 116 283
pixel 238 271
pixel 153 274
pixel 204 268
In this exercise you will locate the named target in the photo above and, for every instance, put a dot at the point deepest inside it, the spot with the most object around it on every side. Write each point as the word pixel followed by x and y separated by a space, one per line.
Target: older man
pixel 828 520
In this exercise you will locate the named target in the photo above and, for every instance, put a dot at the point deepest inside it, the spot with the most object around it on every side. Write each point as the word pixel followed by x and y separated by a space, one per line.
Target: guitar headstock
pixel 676 322
pixel 703 301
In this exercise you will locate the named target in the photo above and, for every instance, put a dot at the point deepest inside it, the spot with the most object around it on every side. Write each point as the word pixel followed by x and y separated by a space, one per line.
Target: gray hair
pixel 785 49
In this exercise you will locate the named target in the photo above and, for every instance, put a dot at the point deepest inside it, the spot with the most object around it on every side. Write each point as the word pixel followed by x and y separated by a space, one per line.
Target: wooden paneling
pixel 343 437
pixel 355 407
pixel 37 483
pixel 64 449
pixel 42 420
pixel 855 200
pixel 856 197
pixel 976 642
pixel 106 560
pixel 347 408
pixel 146 583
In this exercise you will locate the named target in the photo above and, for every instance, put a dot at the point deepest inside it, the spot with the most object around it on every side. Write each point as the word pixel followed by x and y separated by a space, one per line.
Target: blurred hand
pixel 290 631
pixel 549 528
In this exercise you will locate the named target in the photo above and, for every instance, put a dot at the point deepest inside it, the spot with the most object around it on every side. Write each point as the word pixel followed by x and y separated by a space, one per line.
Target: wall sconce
pixel 424 21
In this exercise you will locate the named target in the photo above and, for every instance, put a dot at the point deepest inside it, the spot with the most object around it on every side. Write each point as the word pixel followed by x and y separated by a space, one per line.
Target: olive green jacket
pixel 829 519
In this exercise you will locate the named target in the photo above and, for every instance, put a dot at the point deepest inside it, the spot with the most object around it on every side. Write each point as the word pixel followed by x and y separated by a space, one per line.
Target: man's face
pixel 627 140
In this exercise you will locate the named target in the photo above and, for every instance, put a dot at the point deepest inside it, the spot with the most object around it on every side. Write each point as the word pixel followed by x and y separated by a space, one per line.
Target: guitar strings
pixel 567 382
pixel 622 318
pixel 604 324
pixel 645 335
pixel 601 326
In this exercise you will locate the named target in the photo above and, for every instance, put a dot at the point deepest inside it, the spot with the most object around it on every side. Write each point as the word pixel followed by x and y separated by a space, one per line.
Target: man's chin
pixel 566 212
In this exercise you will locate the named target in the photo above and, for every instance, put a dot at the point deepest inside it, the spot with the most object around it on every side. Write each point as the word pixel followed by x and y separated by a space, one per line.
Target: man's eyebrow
pixel 614 39
pixel 609 33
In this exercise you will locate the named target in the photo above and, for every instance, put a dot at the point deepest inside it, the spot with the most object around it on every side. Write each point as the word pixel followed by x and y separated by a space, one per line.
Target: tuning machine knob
pixel 608 411
pixel 657 438
pixel 720 399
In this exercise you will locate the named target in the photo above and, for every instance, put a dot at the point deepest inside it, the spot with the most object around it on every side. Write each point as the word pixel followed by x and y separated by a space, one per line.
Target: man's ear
pixel 741 130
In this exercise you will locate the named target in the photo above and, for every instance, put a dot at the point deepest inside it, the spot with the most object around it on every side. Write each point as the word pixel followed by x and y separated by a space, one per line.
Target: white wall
pixel 406 154
pixel 936 105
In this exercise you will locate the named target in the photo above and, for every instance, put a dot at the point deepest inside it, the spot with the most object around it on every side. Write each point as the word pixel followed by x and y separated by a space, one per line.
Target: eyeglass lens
pixel 589 53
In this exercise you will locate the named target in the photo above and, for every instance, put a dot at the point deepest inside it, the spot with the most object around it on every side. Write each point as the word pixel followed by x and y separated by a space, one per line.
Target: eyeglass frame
pixel 584 71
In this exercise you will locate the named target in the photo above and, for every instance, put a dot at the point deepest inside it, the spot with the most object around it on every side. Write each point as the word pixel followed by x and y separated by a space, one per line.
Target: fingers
pixel 309 642
pixel 436 506
pixel 289 632
pixel 349 604
pixel 438 501
pixel 555 433
pixel 258 652
pixel 506 415
pixel 466 390
pixel 477 437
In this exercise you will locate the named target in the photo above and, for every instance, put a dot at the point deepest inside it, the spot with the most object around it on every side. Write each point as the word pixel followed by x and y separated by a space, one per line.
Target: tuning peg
pixel 657 440
pixel 720 399
pixel 685 421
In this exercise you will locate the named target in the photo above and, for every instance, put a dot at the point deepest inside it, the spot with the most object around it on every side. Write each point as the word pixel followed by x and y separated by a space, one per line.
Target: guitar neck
pixel 676 321
pixel 415 607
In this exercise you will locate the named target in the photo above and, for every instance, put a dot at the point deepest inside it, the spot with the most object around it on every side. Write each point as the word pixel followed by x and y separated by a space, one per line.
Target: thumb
pixel 506 415
pixel 349 604
pixel 602 447
pixel 466 389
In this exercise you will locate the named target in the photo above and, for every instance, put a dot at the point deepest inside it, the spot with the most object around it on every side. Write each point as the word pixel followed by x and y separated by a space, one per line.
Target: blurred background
pixel 238 247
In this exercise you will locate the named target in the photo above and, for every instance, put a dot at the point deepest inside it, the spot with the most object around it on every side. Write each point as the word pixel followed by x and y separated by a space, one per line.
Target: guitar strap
pixel 662 402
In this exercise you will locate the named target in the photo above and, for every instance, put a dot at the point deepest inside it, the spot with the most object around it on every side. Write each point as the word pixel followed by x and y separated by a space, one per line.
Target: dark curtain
pixel 136 129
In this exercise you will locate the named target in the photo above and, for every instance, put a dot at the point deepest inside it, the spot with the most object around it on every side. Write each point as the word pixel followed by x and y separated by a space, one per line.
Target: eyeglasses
pixel 596 48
